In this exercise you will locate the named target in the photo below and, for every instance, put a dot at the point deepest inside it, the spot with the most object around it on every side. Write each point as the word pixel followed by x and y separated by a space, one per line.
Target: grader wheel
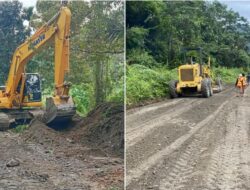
pixel 211 89
pixel 205 88
pixel 172 88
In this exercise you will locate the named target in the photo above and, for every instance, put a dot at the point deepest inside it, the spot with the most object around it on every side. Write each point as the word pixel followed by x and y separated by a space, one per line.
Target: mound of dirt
pixel 102 131
pixel 103 128
pixel 38 132
pixel 88 153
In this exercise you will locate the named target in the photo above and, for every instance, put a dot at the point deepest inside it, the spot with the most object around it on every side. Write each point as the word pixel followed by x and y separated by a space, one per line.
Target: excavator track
pixel 4 122
pixel 53 116
pixel 11 118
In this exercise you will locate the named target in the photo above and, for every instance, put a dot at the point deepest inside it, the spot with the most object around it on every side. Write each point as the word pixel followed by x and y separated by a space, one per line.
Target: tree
pixel 96 50
pixel 159 30
pixel 12 32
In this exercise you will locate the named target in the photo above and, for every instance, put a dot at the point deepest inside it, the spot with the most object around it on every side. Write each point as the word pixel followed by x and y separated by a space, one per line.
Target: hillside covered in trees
pixel 157 32
pixel 96 47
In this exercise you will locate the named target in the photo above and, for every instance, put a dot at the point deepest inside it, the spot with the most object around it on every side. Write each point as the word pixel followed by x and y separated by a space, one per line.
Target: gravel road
pixel 190 143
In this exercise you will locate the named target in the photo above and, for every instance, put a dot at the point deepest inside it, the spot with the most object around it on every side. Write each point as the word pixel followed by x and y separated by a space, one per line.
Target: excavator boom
pixel 22 93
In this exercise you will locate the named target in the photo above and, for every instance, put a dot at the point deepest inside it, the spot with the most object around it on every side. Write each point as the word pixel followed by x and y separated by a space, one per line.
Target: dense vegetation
pixel 96 47
pixel 12 32
pixel 145 83
pixel 158 30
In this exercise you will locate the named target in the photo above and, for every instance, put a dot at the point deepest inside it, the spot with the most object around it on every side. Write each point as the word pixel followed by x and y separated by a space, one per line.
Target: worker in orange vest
pixel 241 84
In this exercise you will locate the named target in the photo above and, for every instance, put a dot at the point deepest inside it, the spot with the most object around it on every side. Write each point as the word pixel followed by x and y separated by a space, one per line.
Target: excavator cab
pixel 32 88
pixel 29 88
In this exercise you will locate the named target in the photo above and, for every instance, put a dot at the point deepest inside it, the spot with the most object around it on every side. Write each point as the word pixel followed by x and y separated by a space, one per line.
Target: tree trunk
pixel 99 93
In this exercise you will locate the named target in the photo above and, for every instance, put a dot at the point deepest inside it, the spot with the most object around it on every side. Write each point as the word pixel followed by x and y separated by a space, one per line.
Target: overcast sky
pixel 242 7
pixel 28 3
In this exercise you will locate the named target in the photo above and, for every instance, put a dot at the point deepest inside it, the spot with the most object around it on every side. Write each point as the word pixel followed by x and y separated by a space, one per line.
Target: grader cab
pixel 195 76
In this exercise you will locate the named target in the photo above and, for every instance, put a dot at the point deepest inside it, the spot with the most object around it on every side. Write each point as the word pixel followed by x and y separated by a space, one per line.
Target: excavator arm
pixel 14 97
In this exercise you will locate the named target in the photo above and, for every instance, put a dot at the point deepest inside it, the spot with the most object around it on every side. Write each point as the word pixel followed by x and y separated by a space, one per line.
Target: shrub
pixel 117 93
pixel 143 83
pixel 228 75
pixel 82 95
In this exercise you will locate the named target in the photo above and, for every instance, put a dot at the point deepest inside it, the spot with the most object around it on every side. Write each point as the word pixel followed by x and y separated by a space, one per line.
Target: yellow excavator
pixel 21 97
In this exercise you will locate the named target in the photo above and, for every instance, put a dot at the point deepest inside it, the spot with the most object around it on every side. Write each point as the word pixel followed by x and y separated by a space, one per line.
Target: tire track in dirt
pixel 182 172
pixel 134 135
pixel 140 156
pixel 182 169
pixel 138 128
pixel 136 121
pixel 165 134
pixel 133 114
pixel 216 157
pixel 158 139
pixel 137 172
pixel 151 107
pixel 228 168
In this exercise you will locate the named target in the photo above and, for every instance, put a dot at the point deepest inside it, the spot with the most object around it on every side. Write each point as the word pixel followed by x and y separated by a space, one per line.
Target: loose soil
pixel 86 155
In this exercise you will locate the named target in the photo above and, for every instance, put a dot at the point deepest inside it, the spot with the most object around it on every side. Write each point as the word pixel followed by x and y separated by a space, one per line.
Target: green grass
pixel 20 128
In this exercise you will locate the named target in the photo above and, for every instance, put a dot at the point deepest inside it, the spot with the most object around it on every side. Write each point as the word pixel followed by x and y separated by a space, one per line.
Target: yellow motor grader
pixel 195 76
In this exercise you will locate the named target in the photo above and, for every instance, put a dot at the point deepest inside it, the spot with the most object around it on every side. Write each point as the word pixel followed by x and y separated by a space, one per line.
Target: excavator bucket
pixel 58 115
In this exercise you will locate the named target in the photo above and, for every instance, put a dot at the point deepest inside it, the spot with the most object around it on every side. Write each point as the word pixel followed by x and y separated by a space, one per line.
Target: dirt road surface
pixel 88 155
pixel 190 144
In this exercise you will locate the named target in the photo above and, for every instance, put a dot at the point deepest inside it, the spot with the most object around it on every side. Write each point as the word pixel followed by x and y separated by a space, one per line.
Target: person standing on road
pixel 241 84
